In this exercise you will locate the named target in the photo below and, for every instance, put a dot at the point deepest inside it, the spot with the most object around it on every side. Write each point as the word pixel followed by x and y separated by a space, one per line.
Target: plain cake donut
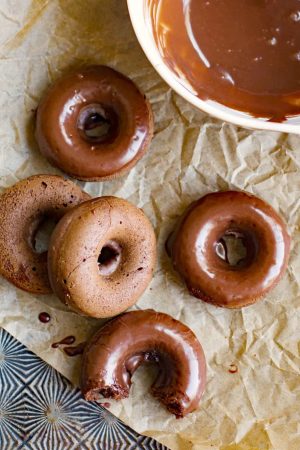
pixel 198 250
pixel 131 339
pixel 23 208
pixel 94 124
pixel 102 256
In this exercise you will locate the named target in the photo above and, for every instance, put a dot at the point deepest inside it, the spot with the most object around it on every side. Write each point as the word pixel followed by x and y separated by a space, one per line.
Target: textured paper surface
pixel 192 154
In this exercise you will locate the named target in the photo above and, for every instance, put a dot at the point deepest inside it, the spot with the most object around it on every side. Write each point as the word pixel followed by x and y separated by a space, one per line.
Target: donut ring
pixel 101 257
pixel 23 207
pixel 94 124
pixel 193 248
pixel 137 337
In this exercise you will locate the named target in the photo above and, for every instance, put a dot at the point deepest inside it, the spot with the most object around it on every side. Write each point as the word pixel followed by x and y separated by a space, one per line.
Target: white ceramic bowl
pixel 141 22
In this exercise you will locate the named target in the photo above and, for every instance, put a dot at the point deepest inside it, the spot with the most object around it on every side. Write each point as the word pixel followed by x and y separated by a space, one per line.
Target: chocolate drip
pixel 44 317
pixel 66 341
pixel 76 350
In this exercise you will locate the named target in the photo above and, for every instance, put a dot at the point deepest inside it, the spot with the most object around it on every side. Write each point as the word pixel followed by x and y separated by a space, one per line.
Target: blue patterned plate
pixel 40 410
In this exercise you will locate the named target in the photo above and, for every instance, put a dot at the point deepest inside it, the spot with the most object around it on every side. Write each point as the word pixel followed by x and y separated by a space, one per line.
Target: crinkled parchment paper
pixel 192 154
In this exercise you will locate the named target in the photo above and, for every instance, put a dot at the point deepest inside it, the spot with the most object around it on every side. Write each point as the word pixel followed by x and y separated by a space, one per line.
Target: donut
pixel 124 343
pixel 199 251
pixel 102 256
pixel 23 208
pixel 94 124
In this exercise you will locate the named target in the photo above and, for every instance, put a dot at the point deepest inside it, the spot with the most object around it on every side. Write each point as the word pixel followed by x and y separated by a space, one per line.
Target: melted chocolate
pixel 66 341
pixel 76 350
pixel 44 317
pixel 233 368
pixel 106 405
pixel 138 337
pixel 244 54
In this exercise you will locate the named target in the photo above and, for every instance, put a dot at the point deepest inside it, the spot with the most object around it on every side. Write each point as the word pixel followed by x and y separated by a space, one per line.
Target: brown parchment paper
pixel 192 154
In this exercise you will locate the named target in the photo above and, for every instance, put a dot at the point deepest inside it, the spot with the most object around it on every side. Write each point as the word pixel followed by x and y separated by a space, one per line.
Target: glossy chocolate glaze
pixel 244 54
pixel 192 247
pixel 137 337
pixel 94 98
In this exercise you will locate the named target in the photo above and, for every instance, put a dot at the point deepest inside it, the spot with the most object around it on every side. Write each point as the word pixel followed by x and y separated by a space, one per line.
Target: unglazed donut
pixel 136 337
pixel 23 207
pixel 94 124
pixel 194 248
pixel 102 256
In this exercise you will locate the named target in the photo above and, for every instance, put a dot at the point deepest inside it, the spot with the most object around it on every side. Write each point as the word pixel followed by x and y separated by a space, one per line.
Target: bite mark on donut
pixel 172 402
pixel 114 391
pixel 135 338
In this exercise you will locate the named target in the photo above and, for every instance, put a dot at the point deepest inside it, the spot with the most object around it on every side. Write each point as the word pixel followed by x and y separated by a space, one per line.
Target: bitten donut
pixel 23 208
pixel 137 337
pixel 101 256
pixel 94 124
pixel 198 248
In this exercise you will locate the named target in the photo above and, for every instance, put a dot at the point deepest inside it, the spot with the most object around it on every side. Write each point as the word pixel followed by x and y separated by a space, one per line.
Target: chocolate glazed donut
pixel 102 256
pixel 198 248
pixel 137 337
pixel 94 124
pixel 23 208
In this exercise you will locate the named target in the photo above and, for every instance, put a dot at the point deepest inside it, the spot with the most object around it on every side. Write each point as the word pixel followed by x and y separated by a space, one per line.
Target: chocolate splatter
pixel 233 368
pixel 44 317
pixel 66 341
pixel 76 350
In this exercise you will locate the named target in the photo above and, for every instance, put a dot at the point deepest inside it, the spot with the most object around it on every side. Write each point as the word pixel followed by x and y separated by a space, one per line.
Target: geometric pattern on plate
pixel 41 410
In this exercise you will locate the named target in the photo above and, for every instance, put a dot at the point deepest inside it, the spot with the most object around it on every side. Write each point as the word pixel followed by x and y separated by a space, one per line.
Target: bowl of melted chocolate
pixel 238 60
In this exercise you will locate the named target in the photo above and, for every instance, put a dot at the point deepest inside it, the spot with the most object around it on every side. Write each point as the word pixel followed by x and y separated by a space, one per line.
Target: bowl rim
pixel 137 15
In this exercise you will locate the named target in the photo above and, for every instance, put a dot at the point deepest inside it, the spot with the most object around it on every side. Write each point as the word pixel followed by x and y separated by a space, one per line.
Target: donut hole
pixel 236 248
pixel 109 258
pixel 97 123
pixel 42 234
